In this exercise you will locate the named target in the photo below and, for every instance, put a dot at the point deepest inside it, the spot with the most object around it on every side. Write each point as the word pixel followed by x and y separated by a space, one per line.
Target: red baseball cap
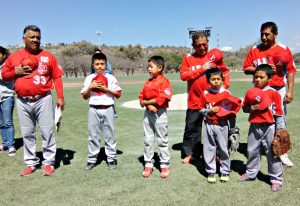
pixel 215 55
pixel 281 57
pixel 257 96
pixel 229 105
pixel 102 80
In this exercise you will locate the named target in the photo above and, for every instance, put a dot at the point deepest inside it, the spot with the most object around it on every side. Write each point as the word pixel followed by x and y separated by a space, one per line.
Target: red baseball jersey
pixel 158 88
pixel 211 97
pixel 40 80
pixel 267 115
pixel 257 56
pixel 193 72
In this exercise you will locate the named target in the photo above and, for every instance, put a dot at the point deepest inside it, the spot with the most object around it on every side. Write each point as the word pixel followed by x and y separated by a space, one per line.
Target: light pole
pixel 99 34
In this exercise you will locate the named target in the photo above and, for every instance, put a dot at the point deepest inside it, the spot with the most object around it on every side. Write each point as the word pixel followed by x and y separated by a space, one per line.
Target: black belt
pixel 35 98
pixel 100 106
pixel 215 122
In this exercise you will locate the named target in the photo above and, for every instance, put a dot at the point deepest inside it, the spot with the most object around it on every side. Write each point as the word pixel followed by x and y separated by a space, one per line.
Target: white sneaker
pixel 286 161
pixel 12 152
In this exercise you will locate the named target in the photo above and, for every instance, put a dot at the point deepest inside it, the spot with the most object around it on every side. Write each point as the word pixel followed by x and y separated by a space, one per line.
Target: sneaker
pixel 28 171
pixel 276 187
pixel 48 170
pixel 164 173
pixel 244 178
pixel 89 166
pixel 286 161
pixel 211 178
pixel 112 165
pixel 224 178
pixel 3 148
pixel 12 152
pixel 187 159
pixel 147 172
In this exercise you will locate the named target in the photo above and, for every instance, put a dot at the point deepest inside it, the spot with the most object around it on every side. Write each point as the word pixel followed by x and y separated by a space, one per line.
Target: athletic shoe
pixel 286 161
pixel 48 170
pixel 187 159
pixel 147 172
pixel 211 178
pixel 3 148
pixel 244 178
pixel 28 171
pixel 12 151
pixel 112 165
pixel 224 178
pixel 164 173
pixel 276 187
pixel 89 166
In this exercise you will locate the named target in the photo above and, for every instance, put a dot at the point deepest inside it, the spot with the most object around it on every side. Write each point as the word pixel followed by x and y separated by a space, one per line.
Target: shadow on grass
pixel 18 143
pixel 243 149
pixel 102 156
pixel 156 161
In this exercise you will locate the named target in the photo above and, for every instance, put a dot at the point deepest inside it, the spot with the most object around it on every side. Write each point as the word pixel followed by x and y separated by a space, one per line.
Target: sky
pixel 235 23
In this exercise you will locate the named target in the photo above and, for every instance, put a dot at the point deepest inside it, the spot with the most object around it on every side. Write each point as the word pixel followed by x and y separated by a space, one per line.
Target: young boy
pixel 155 96
pixel 216 125
pixel 264 105
pixel 101 89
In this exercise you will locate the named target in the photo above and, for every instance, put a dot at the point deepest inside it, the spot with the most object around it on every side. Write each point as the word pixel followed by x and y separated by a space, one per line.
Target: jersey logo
pixel 44 59
pixel 258 99
pixel 167 92
pixel 42 69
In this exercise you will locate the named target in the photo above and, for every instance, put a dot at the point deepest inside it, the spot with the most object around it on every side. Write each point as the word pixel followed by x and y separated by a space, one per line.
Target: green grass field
pixel 187 185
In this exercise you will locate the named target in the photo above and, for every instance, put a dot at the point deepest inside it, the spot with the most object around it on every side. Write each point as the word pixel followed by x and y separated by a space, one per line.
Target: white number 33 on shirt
pixel 39 80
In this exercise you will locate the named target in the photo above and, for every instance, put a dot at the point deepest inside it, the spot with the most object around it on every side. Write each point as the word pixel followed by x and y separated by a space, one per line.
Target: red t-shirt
pixel 193 72
pixel 267 115
pixel 210 98
pixel 257 56
pixel 40 80
pixel 158 88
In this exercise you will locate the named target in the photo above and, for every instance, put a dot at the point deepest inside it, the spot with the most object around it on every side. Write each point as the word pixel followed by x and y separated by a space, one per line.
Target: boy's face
pixel 261 79
pixel 99 65
pixel 215 81
pixel 153 69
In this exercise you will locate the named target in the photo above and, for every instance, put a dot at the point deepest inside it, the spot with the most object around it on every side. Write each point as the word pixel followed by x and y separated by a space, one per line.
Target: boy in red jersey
pixel 34 102
pixel 266 114
pixel 216 125
pixel 155 96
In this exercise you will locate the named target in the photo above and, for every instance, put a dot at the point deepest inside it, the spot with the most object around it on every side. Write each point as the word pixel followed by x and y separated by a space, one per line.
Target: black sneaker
pixel 112 165
pixel 89 166
pixel 3 148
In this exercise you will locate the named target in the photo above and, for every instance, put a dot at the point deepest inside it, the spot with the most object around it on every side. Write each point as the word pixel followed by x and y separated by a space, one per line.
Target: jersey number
pixel 39 80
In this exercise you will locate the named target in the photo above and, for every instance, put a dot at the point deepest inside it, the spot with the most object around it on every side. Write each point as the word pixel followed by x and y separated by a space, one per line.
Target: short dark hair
pixel 157 60
pixel 99 56
pixel 4 52
pixel 271 25
pixel 31 28
pixel 212 71
pixel 266 68
pixel 198 35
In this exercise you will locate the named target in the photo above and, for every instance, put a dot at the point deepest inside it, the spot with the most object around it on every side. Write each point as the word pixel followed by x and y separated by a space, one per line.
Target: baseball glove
pixel 281 143
pixel 233 139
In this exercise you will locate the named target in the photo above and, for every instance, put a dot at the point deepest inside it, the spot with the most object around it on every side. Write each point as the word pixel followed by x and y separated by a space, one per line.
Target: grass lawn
pixel 187 185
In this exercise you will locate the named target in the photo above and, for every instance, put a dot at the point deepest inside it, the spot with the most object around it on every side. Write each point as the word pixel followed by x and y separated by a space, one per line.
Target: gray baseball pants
pixel 101 123
pixel 261 136
pixel 41 112
pixel 156 127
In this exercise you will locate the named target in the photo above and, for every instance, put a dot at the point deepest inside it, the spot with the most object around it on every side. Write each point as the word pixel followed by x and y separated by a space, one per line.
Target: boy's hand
pixel 254 107
pixel 151 108
pixel 214 110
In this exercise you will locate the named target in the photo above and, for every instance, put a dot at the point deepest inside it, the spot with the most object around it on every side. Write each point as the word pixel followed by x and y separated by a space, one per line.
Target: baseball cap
pixel 215 55
pixel 257 96
pixel 228 105
pixel 102 80
pixel 281 57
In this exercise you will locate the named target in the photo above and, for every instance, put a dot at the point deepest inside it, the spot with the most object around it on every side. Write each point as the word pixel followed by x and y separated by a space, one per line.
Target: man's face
pixel 201 46
pixel 32 41
pixel 268 38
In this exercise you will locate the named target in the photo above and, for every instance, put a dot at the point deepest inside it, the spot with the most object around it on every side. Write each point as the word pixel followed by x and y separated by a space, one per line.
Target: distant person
pixel 193 68
pixel 100 89
pixel 155 96
pixel 217 126
pixel 281 59
pixel 35 72
pixel 265 107
pixel 7 103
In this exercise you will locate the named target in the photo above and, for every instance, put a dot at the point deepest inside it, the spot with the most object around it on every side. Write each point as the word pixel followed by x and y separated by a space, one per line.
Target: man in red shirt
pixel 193 69
pixel 32 84
pixel 280 58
